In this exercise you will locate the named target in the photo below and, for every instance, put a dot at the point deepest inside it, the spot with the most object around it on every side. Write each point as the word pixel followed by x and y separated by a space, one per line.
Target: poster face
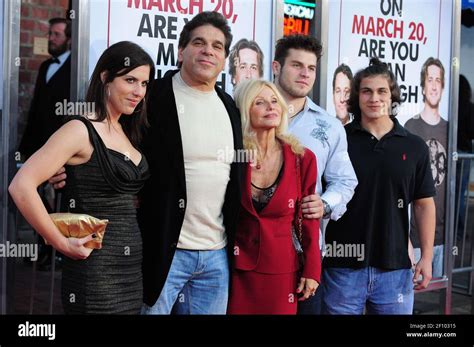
pixel 156 25
pixel 402 33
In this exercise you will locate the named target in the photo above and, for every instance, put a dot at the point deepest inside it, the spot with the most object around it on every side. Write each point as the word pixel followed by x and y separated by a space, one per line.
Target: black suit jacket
pixel 42 118
pixel 163 199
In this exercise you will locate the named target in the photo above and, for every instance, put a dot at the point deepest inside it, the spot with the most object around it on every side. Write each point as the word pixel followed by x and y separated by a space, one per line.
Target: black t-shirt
pixel 392 172
pixel 436 138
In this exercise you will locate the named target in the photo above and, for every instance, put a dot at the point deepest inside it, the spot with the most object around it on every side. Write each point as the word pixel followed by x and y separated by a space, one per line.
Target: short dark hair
pixel 57 20
pixel 234 55
pixel 215 19
pixel 117 60
pixel 306 43
pixel 424 71
pixel 345 70
pixel 375 68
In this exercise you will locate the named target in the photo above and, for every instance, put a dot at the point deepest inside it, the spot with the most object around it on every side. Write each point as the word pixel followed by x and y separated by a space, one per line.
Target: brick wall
pixel 34 23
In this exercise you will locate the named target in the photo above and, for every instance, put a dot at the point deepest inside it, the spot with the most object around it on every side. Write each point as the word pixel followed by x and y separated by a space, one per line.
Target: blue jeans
pixel 350 291
pixel 438 256
pixel 198 283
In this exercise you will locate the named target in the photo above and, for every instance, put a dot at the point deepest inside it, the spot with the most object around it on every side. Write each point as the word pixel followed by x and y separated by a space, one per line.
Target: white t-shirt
pixel 206 131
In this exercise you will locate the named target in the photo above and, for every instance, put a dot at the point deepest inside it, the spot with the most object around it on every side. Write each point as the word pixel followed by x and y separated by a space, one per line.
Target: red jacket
pixel 263 241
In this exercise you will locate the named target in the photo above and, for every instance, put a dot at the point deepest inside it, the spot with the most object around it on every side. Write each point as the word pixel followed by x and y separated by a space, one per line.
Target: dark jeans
pixel 312 306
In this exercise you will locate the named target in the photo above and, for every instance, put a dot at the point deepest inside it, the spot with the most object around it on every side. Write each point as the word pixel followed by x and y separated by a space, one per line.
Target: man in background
pixel 52 86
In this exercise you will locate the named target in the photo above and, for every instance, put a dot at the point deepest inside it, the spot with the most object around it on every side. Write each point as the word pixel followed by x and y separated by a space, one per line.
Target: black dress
pixel 110 279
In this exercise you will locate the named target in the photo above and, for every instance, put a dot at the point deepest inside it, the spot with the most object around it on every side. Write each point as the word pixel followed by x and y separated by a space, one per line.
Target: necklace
pixel 267 191
pixel 259 166
pixel 278 166
pixel 253 185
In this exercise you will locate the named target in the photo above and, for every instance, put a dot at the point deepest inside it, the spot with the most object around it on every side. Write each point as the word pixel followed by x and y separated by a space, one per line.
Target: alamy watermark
pixel 404 108
pixel 37 330
pixel 229 155
pixel 22 250
pixel 345 250
pixel 69 108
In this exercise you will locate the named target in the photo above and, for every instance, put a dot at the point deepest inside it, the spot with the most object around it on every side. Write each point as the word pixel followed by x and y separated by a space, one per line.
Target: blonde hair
pixel 244 96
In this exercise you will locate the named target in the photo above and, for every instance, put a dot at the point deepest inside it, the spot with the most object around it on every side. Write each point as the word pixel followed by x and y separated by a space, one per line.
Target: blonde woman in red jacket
pixel 266 277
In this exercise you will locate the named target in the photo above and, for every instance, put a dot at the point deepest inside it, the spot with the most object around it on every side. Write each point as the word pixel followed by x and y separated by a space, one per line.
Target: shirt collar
pixel 397 129
pixel 309 105
pixel 308 108
pixel 62 58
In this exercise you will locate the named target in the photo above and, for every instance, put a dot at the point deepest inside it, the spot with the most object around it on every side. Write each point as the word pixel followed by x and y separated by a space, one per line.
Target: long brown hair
pixel 117 60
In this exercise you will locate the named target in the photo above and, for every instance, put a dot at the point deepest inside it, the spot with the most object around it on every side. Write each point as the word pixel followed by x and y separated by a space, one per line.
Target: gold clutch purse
pixel 80 225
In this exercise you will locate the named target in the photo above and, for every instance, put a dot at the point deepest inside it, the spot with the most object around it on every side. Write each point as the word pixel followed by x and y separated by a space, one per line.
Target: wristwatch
pixel 327 210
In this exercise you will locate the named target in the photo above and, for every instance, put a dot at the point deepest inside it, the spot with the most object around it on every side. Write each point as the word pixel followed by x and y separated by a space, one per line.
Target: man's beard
pixel 292 91
pixel 57 51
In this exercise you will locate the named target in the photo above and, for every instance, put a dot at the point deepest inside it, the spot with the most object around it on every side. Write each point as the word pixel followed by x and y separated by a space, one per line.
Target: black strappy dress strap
pixel 108 167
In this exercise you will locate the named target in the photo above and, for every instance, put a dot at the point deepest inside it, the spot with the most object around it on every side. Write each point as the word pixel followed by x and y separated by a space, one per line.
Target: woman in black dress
pixel 105 171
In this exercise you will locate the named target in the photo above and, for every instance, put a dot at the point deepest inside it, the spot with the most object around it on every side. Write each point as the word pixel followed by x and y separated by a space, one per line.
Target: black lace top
pixel 259 202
